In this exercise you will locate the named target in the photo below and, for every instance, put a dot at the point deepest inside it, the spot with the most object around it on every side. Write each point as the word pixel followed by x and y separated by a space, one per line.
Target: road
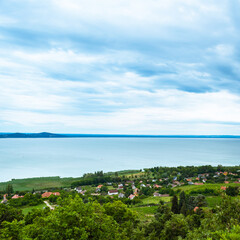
pixel 47 203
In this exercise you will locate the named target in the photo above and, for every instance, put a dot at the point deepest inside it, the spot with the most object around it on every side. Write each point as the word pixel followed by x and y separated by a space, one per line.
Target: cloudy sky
pixel 127 67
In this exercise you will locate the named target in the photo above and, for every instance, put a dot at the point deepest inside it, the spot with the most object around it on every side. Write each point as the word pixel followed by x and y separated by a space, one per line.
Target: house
pixel 56 193
pixel 83 192
pixel 223 188
pixel 131 197
pixel 78 189
pixel 156 186
pixel 142 185
pixel 113 192
pixel 156 194
pixel 95 194
pixel 121 195
pixel 226 182
pixel 136 191
pixel 190 183
pixel 98 189
pixel 195 209
pixel 176 182
pixel 16 196
pixel 164 195
pixel 48 194
pixel 4 199
pixel 120 186
pixel 198 183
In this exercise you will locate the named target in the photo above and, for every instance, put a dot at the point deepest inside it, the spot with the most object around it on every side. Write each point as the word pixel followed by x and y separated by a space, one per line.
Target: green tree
pixel 176 227
pixel 8 213
pixel 175 207
pixel 9 189
pixel 182 199
pixel 122 215
pixel 232 191
pixel 74 220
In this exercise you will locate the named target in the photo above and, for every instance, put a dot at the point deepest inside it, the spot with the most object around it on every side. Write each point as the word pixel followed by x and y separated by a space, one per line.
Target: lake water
pixel 72 157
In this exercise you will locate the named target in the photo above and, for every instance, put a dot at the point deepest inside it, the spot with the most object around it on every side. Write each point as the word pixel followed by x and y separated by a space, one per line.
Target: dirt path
pixel 47 203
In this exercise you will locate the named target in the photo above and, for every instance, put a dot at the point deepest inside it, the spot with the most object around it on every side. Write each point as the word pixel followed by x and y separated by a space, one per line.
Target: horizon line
pixel 49 134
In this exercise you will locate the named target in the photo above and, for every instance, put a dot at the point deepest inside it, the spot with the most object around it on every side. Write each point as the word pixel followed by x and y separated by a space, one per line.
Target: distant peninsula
pixel 64 135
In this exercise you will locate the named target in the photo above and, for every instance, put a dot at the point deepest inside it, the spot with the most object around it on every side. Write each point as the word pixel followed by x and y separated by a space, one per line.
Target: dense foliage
pixel 74 219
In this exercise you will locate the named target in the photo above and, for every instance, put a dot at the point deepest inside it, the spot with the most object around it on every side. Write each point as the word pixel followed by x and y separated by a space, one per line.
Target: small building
pixel 113 192
pixel 131 197
pixel 121 195
pixel 16 196
pixel 198 183
pixel 136 191
pixel 156 194
pixel 78 189
pixel 164 195
pixel 48 194
pixel 83 192
pixel 223 188
pixel 195 209
pixel 4 199
pixel 120 186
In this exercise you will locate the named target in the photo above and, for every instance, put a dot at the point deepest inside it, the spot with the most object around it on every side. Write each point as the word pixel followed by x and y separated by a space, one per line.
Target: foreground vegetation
pixel 158 203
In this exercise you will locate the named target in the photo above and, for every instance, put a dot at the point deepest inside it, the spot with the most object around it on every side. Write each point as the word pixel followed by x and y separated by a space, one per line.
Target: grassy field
pixel 155 200
pixel 145 213
pixel 26 210
pixel 41 183
pixel 38 183
pixel 215 186
pixel 213 201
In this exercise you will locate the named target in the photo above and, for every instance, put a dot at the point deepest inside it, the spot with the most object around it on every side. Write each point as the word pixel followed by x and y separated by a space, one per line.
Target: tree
pixel 232 191
pixel 176 227
pixel 74 220
pixel 9 189
pixel 182 203
pixel 175 208
pixel 8 213
pixel 122 215
pixel 104 189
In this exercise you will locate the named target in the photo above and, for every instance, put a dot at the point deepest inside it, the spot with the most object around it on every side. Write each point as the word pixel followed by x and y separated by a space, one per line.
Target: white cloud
pixel 108 65
pixel 177 111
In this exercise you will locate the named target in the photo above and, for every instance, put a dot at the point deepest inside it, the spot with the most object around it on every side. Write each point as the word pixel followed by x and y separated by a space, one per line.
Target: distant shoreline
pixel 55 135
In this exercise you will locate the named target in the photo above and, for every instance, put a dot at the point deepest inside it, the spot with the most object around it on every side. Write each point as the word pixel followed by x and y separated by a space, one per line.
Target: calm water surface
pixel 22 158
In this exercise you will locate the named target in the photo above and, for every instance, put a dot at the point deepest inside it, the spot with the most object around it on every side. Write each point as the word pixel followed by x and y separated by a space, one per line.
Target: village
pixel 133 189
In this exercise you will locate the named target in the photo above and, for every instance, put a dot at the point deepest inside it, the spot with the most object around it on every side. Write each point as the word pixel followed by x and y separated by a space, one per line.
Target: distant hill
pixel 31 135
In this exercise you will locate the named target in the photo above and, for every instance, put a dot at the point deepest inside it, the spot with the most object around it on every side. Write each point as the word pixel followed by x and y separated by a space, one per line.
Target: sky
pixel 120 67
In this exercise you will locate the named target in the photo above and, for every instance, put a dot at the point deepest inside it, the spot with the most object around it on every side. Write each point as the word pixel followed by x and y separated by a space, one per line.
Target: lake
pixel 72 157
